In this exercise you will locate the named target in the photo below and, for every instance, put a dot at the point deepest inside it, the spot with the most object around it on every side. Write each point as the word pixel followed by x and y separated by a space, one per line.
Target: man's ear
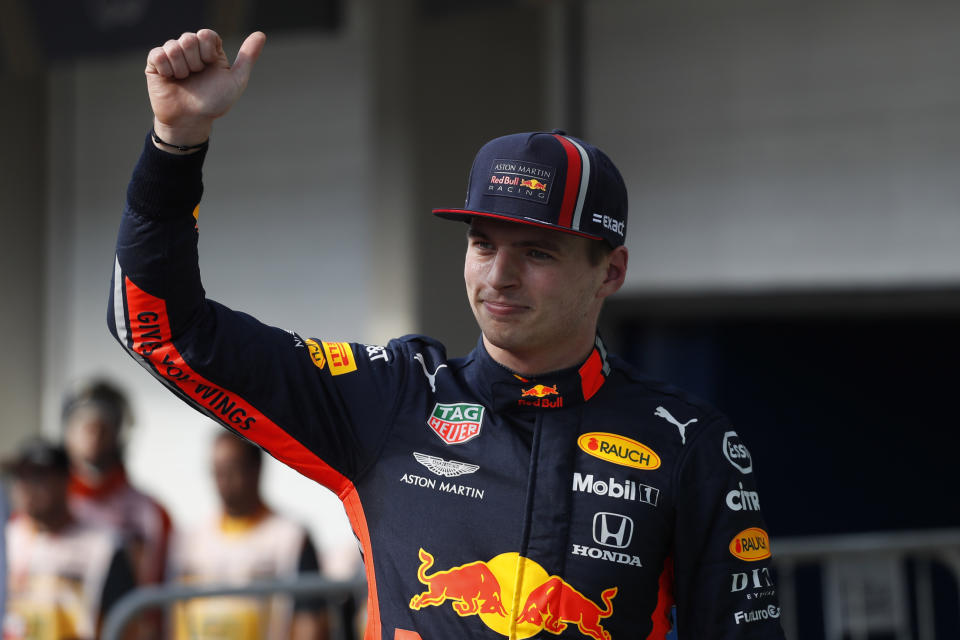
pixel 616 272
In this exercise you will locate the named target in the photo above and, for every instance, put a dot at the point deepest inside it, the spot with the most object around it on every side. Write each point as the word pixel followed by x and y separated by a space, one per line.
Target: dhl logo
pixel 487 589
pixel 751 545
pixel 539 391
pixel 533 183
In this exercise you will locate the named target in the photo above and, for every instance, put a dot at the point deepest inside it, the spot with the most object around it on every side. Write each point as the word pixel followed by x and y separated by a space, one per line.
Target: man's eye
pixel 540 255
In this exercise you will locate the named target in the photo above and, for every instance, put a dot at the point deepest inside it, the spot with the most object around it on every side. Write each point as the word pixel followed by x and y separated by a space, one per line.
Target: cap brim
pixel 466 215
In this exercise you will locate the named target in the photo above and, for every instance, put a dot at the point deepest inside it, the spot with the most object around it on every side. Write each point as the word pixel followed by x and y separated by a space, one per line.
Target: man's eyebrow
pixel 536 243
pixel 540 244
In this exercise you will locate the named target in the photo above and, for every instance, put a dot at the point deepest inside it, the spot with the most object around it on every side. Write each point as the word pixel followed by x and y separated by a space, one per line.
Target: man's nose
pixel 504 271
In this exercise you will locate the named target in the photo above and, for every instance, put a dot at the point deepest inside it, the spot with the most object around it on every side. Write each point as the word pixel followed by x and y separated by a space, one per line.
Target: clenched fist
pixel 191 83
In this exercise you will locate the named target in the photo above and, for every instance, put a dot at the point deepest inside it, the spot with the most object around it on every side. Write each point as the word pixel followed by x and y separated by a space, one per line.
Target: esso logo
pixel 736 452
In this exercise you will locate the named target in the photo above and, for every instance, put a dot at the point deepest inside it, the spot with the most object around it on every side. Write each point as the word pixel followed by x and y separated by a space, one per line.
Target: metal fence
pixel 145 598
pixel 864 583
pixel 864 586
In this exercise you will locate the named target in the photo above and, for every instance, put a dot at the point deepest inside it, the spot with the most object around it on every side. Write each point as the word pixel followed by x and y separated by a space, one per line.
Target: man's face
pixel 40 493
pixel 235 476
pixel 91 439
pixel 532 290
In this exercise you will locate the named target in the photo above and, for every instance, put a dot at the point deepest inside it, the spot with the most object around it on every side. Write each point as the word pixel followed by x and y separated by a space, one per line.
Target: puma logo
pixel 431 377
pixel 663 413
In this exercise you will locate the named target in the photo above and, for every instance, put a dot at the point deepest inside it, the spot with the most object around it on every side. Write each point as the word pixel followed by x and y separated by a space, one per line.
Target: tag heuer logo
pixel 456 423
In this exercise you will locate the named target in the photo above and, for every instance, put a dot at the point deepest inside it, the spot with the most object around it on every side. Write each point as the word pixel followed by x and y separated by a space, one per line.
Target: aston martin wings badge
pixel 441 467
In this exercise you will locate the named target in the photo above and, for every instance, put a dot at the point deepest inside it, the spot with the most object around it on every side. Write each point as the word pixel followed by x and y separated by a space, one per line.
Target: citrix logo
pixel 743 500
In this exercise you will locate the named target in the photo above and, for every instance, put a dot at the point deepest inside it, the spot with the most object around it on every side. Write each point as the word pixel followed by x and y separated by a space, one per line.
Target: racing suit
pixel 582 503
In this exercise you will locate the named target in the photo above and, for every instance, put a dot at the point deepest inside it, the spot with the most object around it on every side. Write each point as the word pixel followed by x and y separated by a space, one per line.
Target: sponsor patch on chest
pixel 456 423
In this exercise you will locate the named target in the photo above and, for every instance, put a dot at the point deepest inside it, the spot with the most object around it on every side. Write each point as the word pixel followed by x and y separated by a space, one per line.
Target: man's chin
pixel 511 341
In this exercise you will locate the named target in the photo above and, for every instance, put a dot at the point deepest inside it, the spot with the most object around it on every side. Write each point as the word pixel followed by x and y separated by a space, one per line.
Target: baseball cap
pixel 37 454
pixel 549 180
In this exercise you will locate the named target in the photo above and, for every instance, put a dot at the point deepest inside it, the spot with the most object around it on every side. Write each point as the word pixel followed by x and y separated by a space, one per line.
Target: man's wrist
pixel 180 140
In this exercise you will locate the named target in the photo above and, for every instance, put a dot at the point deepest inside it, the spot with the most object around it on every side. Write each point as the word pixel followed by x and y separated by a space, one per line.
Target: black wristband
pixel 178 147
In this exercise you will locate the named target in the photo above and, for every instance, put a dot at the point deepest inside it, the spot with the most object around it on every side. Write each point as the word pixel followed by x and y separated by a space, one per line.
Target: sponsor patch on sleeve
pixel 340 357
pixel 316 353
pixel 751 545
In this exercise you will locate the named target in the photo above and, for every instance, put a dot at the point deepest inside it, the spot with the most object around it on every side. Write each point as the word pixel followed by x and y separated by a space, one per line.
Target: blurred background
pixel 794 231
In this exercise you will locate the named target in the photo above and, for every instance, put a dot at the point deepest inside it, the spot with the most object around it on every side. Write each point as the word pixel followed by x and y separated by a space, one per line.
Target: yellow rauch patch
pixel 751 544
pixel 619 450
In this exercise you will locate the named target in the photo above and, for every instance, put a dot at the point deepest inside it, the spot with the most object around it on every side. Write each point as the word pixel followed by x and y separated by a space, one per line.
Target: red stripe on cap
pixel 572 187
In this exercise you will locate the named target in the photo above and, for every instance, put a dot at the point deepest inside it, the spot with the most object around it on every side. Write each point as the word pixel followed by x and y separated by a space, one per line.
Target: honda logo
pixel 612 529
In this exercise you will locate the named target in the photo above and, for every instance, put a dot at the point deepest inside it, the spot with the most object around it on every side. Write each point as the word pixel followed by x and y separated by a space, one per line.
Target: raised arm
pixel 318 407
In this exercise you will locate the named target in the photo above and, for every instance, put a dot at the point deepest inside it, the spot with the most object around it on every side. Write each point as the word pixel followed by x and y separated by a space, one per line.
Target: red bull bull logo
pixel 490 589
pixel 533 183
pixel 472 587
pixel 555 604
pixel 540 396
pixel 539 391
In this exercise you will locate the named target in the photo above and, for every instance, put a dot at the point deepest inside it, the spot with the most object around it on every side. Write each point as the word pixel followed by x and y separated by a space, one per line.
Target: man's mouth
pixel 501 308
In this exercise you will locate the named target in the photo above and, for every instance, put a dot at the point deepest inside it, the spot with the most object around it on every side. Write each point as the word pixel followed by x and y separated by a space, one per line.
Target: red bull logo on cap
pixel 534 184
pixel 490 589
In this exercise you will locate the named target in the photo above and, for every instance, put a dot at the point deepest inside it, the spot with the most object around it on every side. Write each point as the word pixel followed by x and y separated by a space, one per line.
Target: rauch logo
pixel 619 450
pixel 456 423
pixel 751 544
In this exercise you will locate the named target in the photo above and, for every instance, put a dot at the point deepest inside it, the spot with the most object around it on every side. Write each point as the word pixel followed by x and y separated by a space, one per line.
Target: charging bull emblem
pixel 490 589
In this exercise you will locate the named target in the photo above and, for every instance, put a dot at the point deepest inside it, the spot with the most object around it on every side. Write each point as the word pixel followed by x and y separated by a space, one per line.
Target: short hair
pixel 597 250
pixel 109 401
pixel 250 451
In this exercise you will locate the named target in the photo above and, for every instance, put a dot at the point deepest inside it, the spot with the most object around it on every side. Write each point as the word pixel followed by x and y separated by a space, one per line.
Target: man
pixel 538 484
pixel 94 417
pixel 246 542
pixel 63 575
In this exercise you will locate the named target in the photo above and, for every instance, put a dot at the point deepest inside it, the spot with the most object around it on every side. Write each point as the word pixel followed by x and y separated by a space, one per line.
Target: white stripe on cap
pixel 584 181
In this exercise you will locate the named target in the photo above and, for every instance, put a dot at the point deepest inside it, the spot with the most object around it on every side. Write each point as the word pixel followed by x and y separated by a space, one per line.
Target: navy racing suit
pixel 582 503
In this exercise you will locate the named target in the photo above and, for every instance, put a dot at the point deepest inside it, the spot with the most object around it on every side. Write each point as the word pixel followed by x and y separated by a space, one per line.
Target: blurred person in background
pixel 3 549
pixel 64 575
pixel 245 542
pixel 94 419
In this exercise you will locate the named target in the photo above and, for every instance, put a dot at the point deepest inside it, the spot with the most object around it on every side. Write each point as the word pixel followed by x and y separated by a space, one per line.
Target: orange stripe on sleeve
pixel 150 330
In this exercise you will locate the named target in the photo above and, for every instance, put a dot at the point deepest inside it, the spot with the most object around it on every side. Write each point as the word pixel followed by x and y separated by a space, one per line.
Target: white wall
pixel 776 146
pixel 283 228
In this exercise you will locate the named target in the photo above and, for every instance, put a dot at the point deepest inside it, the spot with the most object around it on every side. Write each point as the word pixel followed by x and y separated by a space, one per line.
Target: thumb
pixel 248 54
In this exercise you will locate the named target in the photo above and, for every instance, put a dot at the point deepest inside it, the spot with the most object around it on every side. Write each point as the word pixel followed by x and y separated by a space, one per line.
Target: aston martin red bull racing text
pixel 581 504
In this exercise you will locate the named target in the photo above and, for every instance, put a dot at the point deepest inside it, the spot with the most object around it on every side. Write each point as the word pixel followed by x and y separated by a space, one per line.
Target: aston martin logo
pixel 441 467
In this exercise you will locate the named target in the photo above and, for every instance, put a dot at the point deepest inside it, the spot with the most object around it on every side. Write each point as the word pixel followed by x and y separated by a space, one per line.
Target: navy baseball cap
pixel 548 180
